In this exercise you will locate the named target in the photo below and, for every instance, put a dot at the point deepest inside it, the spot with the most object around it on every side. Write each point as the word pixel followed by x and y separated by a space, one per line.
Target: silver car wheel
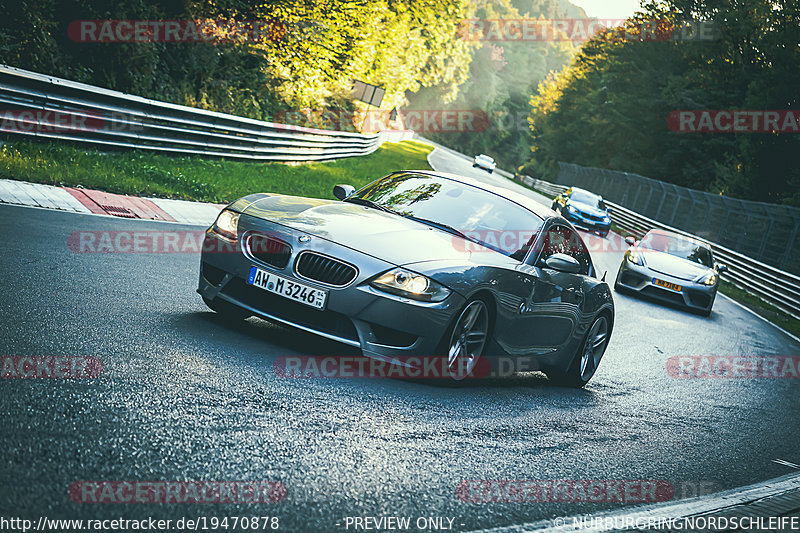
pixel 594 348
pixel 468 339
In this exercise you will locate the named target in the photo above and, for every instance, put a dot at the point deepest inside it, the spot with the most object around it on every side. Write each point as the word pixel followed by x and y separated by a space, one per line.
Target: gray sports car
pixel 672 268
pixel 416 264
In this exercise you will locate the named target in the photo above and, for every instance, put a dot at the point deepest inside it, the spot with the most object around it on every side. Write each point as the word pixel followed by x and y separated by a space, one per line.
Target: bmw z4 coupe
pixel 420 264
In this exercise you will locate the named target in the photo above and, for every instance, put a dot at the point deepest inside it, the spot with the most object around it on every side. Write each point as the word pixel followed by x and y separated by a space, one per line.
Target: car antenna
pixel 604 276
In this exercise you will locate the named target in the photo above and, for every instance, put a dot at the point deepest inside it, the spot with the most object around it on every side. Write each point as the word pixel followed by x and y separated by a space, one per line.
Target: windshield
pixel 587 198
pixel 674 245
pixel 491 220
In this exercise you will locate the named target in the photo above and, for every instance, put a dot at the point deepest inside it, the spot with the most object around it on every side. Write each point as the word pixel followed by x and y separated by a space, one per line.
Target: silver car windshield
pixel 678 247
pixel 484 217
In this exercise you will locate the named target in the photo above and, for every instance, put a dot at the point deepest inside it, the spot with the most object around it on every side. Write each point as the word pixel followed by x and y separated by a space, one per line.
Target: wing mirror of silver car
pixel 721 269
pixel 630 241
pixel 343 191
pixel 563 263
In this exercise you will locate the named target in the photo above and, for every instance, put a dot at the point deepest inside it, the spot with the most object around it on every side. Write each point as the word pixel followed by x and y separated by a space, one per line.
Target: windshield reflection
pixel 673 245
pixel 482 216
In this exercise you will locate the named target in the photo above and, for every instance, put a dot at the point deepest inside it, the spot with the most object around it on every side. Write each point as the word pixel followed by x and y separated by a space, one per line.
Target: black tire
pixel 491 171
pixel 604 234
pixel 227 310
pixel 578 375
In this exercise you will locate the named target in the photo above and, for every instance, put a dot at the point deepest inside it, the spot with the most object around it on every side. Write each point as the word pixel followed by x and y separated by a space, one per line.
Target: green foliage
pixel 308 62
pixel 194 178
pixel 502 75
pixel 609 108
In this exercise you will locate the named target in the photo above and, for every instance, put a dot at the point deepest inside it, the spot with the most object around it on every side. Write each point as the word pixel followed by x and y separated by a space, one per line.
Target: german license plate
pixel 667 284
pixel 288 288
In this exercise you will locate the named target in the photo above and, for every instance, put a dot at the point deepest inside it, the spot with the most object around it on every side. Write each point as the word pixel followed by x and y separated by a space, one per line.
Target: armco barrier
pixel 765 232
pixel 42 106
pixel 775 286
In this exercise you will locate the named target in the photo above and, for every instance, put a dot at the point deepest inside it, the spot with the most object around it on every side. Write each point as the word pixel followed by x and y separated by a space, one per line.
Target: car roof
pixel 527 202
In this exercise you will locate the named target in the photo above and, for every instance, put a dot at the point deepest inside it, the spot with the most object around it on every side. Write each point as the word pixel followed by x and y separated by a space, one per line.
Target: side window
pixel 556 241
pixel 562 240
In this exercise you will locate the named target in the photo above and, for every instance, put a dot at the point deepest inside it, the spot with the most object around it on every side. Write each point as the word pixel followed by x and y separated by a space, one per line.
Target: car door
pixel 553 311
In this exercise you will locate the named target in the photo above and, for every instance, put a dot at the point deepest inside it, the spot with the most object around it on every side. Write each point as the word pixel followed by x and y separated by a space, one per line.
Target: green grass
pixel 759 306
pixel 142 173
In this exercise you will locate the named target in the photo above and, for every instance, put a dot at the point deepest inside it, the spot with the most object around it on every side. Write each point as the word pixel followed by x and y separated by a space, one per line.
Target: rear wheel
pixel 466 340
pixel 585 362
pixel 227 310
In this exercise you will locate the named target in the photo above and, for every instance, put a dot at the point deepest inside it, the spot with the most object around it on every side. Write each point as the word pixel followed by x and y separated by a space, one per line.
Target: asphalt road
pixel 186 397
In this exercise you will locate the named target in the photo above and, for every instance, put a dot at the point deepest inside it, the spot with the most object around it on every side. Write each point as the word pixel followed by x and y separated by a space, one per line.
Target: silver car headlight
pixel 708 279
pixel 634 257
pixel 227 224
pixel 416 286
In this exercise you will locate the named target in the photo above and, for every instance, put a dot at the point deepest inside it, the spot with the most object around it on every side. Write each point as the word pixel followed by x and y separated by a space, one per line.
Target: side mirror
pixel 630 241
pixel 563 263
pixel 343 191
pixel 721 269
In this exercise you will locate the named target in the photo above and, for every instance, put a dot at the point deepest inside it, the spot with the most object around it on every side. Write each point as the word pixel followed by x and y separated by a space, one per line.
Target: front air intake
pixel 269 250
pixel 324 269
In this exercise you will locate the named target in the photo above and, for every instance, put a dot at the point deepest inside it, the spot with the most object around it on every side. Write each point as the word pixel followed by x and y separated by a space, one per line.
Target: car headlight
pixel 227 224
pixel 404 283
pixel 571 208
pixel 634 257
pixel 708 279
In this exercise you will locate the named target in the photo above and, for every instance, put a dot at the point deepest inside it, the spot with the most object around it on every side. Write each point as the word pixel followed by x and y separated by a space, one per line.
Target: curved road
pixel 187 397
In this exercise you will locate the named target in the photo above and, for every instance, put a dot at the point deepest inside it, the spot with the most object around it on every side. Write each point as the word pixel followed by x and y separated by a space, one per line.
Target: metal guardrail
pixel 43 106
pixel 776 287
pixel 763 231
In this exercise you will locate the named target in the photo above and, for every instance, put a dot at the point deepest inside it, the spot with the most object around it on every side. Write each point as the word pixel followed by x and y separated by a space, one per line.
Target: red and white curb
pixel 87 201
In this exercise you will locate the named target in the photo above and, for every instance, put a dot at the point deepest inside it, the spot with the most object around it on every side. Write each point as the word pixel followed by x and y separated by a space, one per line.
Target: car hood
pixel 389 237
pixel 588 209
pixel 672 265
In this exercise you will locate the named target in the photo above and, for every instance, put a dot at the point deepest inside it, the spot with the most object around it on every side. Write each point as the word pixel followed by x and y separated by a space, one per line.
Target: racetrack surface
pixel 185 396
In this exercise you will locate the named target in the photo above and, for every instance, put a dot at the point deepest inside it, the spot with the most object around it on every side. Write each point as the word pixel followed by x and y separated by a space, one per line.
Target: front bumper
pixel 692 295
pixel 483 166
pixel 382 325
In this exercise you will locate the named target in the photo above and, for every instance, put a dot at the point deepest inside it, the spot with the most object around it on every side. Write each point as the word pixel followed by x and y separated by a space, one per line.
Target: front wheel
pixel 585 362
pixel 466 340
